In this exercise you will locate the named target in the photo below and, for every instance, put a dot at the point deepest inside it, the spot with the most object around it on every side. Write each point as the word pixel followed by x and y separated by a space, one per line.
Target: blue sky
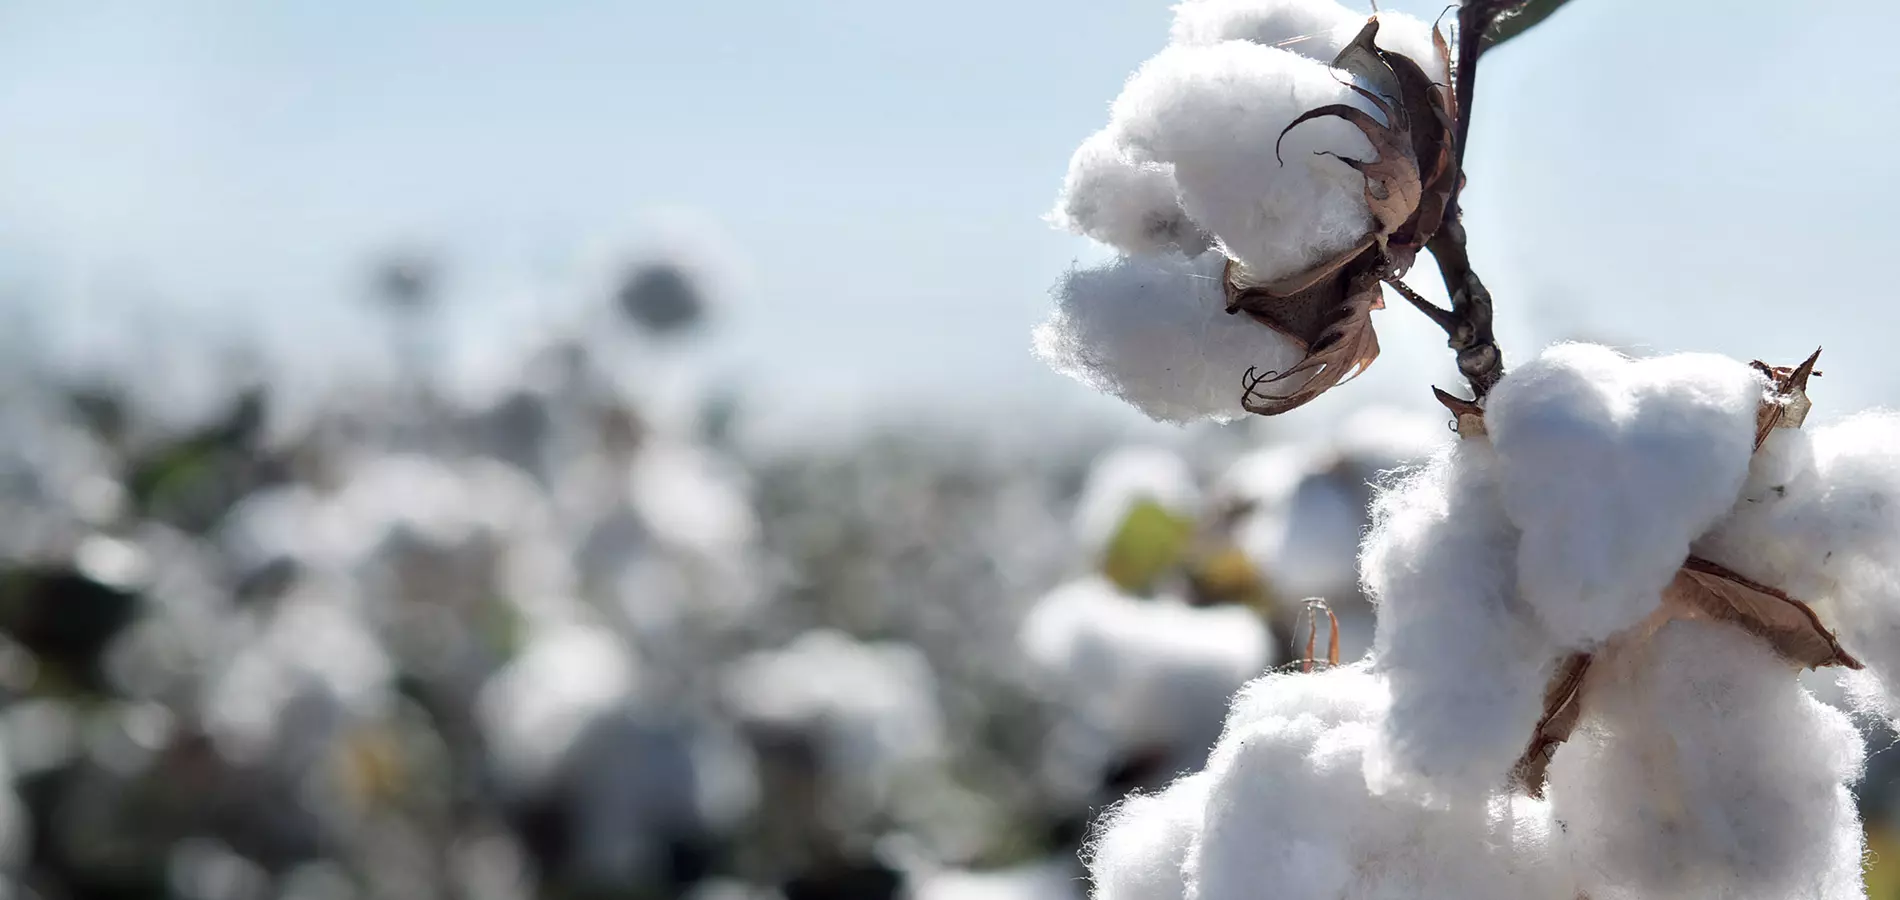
pixel 1691 174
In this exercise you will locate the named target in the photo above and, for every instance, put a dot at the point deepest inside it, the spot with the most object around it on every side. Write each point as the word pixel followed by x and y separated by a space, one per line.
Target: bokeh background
pixel 574 450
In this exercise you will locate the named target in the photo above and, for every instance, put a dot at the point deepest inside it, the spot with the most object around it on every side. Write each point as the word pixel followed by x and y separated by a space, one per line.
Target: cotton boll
pixel 1154 332
pixel 1465 661
pixel 1216 113
pixel 1702 769
pixel 1610 467
pixel 1141 846
pixel 1288 807
pixel 1125 204
pixel 1125 477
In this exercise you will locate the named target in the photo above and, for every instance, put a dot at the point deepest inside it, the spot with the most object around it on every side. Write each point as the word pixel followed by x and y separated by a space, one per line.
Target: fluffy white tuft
pixel 1611 467
pixel 1154 331
pixel 1316 29
pixel 1289 809
pixel 1464 658
pixel 1820 519
pixel 1141 848
pixel 1132 206
pixel 1215 113
pixel 1702 769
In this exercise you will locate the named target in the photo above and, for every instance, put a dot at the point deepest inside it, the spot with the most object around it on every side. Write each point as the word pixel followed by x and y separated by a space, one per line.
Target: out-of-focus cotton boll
pixel 1465 660
pixel 1702 769
pixel 1124 478
pixel 312 668
pixel 1309 546
pixel 1154 331
pixel 691 501
pixel 1131 206
pixel 1288 806
pixel 1611 467
pixel 1146 674
pixel 1140 850
pixel 535 708
pixel 1215 113
pixel 870 708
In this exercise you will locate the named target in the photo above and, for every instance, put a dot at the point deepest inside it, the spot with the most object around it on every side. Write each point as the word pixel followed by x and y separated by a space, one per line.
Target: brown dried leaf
pixel 1342 345
pixel 1563 708
pixel 1786 404
pixel 1706 589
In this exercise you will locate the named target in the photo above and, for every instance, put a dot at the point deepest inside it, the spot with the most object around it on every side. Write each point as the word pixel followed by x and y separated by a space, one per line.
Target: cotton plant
pixel 1593 608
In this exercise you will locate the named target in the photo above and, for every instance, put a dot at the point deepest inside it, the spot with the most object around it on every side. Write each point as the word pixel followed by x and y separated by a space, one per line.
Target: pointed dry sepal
pixel 1786 404
pixel 1563 709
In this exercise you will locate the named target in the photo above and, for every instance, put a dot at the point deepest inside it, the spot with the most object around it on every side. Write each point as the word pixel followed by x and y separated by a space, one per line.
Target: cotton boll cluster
pixel 1142 677
pixel 1154 332
pixel 1704 769
pixel 1198 153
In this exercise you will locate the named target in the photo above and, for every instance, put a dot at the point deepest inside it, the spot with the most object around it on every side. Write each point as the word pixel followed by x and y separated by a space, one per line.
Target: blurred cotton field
pixel 563 632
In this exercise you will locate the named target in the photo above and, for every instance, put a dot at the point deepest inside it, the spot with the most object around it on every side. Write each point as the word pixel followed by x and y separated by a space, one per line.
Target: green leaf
pixel 1150 541
pixel 1520 20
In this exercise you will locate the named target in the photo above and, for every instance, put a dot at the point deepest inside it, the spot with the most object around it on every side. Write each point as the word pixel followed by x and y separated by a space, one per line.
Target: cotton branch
pixel 1467 324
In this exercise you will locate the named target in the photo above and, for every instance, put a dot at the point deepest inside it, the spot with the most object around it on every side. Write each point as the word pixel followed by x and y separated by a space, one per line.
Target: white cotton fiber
pixel 1289 813
pixel 1316 29
pixel 1820 519
pixel 1123 478
pixel 1702 769
pixel 1610 467
pixel 1306 27
pixel 1154 332
pixel 1131 206
pixel 1215 113
pixel 1141 846
pixel 1465 661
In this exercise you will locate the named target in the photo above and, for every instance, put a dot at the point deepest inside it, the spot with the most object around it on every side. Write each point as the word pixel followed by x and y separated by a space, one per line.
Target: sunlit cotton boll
pixel 1465 660
pixel 535 709
pixel 1131 206
pixel 1702 769
pixel 1610 467
pixel 1154 331
pixel 1216 113
pixel 1288 807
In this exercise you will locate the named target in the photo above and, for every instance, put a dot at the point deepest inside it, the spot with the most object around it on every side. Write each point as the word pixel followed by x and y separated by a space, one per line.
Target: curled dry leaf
pixel 1563 708
pixel 1703 589
pixel 1786 404
pixel 1409 184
